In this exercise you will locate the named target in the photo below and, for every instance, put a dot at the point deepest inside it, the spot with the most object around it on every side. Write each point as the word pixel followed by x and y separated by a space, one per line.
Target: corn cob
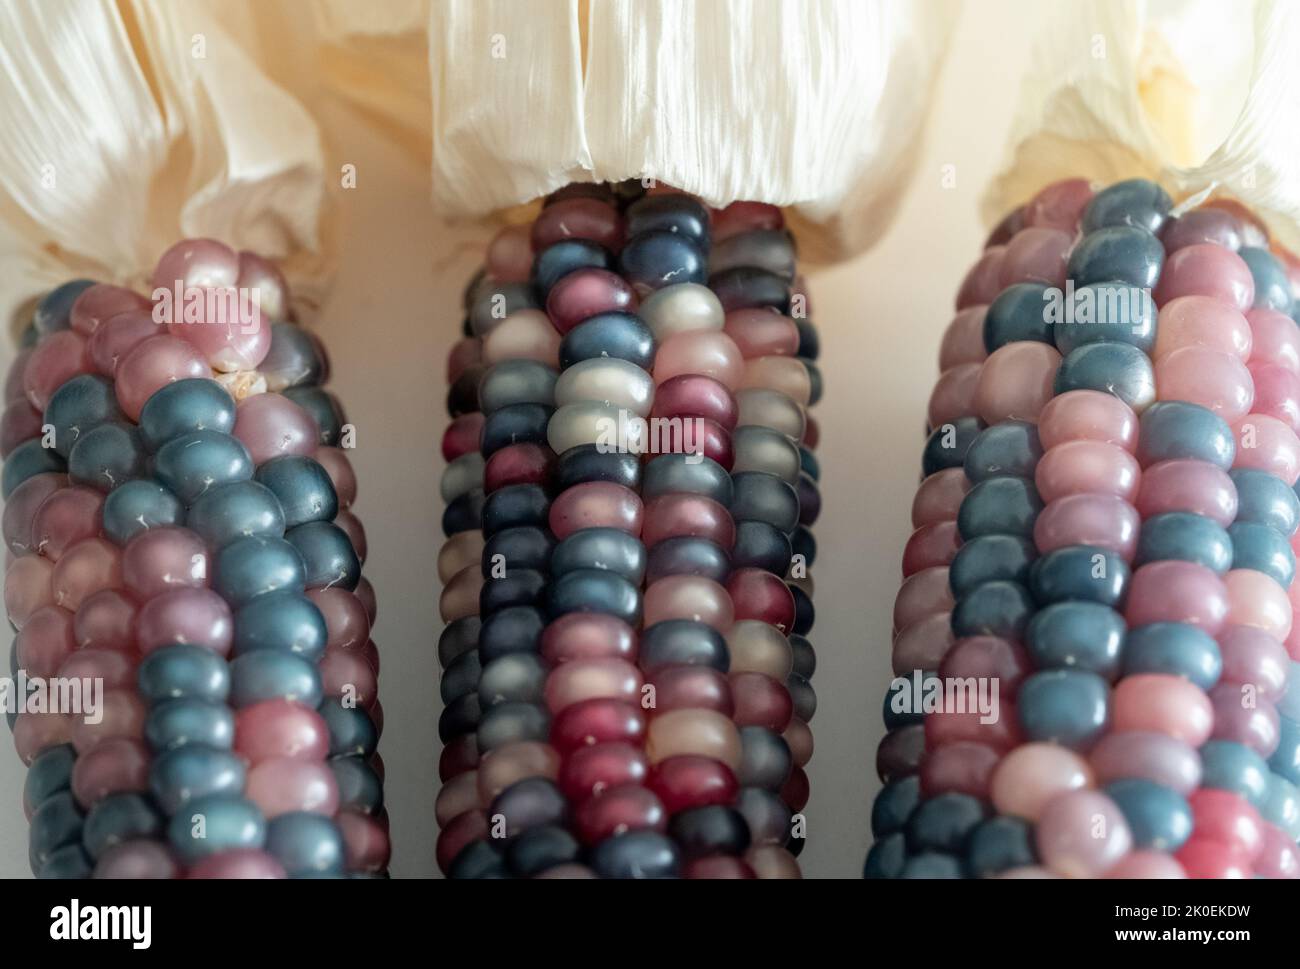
pixel 596 686
pixel 459 562
pixel 502 780
pixel 458 643
pixel 754 276
pixel 631 767
pixel 197 556
pixel 1105 534
pixel 694 746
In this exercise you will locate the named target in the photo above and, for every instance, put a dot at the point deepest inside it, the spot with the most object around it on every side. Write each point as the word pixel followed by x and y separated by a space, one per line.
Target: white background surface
pixel 392 318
